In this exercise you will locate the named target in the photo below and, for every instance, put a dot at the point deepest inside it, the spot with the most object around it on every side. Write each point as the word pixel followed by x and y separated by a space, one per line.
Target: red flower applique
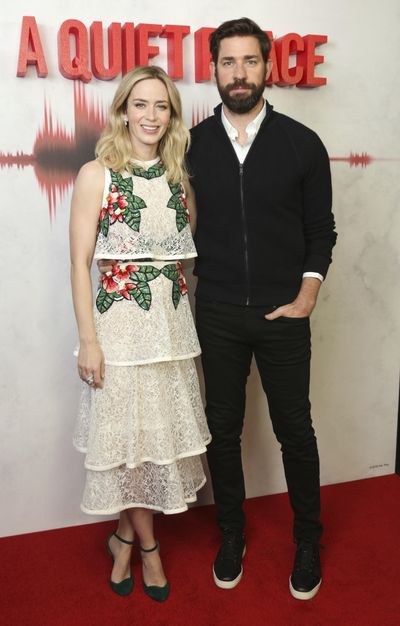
pixel 125 291
pixel 109 284
pixel 118 198
pixel 181 279
pixel 182 199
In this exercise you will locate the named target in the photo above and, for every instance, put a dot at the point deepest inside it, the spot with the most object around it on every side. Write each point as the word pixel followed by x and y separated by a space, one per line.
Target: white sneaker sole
pixel 229 584
pixel 304 595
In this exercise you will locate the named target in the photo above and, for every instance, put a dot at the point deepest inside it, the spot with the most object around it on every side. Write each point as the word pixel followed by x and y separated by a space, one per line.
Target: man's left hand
pixel 303 305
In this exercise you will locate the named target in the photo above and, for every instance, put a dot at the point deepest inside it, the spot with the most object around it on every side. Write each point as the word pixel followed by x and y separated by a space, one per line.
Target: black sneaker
pixel 305 580
pixel 228 568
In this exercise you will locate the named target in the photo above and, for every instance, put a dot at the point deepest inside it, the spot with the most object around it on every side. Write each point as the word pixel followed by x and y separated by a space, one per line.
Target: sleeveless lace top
pixel 141 312
pixel 143 216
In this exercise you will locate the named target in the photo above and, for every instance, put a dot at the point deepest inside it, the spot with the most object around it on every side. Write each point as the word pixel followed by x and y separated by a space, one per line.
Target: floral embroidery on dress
pixel 122 205
pixel 174 272
pixel 178 202
pixel 155 171
pixel 131 282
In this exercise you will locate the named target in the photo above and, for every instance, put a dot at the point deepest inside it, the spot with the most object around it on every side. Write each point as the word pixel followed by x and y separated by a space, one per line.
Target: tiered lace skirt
pixel 144 432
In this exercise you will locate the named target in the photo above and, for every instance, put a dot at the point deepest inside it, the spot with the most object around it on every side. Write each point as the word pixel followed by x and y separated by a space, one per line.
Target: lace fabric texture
pixel 157 237
pixel 144 432
pixel 165 488
pixel 123 243
pixel 143 413
pixel 130 335
pixel 142 435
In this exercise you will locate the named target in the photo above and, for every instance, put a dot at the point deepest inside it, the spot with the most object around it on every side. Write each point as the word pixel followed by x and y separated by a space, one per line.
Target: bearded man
pixel 265 232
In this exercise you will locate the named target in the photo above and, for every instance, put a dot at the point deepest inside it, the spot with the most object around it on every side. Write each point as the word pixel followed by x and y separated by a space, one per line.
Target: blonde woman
pixel 141 421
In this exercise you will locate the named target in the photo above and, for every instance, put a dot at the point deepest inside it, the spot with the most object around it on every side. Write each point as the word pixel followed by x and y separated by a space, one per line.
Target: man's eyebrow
pixel 245 56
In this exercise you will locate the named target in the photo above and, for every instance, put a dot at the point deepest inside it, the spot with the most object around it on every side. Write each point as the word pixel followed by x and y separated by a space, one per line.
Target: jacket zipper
pixel 246 251
pixel 245 235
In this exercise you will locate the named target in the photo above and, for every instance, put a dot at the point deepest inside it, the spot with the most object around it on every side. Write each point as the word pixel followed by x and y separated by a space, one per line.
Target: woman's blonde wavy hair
pixel 114 148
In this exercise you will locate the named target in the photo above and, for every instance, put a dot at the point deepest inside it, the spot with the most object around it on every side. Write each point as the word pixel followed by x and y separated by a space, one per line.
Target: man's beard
pixel 240 103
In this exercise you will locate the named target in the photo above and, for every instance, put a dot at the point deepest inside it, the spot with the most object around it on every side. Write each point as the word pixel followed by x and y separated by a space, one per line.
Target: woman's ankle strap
pixel 123 540
pixel 156 547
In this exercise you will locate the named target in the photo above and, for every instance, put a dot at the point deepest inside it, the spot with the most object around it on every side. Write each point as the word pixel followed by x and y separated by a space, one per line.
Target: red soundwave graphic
pixel 360 160
pixel 58 154
pixel 19 159
pixel 199 113
pixel 363 159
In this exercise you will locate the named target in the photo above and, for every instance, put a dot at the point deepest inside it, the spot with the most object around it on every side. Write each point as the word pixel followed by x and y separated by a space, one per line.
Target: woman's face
pixel 148 113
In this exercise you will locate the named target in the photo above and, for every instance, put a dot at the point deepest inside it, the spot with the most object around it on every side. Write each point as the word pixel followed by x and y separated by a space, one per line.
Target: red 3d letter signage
pixel 81 52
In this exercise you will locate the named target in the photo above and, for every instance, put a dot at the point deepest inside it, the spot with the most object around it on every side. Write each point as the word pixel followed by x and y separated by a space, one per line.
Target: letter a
pixel 30 49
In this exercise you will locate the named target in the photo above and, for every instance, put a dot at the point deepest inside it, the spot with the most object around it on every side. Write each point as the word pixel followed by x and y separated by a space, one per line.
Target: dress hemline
pixel 115 510
pixel 165 359
pixel 105 468
pixel 138 257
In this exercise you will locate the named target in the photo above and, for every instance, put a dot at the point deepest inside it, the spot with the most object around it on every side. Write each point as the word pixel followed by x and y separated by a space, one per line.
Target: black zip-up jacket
pixel 262 224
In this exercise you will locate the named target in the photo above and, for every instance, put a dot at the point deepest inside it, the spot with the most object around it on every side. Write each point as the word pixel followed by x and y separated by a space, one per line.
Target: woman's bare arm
pixel 85 209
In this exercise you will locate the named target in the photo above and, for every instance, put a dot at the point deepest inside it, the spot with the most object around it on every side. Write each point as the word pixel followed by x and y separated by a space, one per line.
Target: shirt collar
pixel 251 129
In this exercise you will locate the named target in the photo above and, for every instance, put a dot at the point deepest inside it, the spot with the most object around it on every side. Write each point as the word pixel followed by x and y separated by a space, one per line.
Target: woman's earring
pixel 126 122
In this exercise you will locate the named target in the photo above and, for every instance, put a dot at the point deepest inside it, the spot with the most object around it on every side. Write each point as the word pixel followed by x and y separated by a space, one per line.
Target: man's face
pixel 241 73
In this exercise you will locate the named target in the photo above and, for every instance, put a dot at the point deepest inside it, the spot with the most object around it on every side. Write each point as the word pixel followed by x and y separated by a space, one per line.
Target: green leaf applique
pixel 170 271
pixel 176 293
pixel 145 273
pixel 155 171
pixel 142 294
pixel 126 206
pixel 173 271
pixel 178 202
pixel 104 224
pixel 104 300
pixel 138 286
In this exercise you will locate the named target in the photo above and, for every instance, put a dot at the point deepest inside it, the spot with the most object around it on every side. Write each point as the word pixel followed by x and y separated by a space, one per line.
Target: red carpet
pixel 59 577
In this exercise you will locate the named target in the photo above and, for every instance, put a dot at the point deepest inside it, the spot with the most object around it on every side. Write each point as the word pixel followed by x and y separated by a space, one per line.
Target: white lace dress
pixel 144 432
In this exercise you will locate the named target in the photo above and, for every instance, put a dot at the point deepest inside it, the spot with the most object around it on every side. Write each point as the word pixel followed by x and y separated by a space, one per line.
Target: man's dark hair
pixel 243 27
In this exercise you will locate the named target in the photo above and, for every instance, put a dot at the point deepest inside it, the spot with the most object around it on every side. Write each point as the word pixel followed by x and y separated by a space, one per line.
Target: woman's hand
pixel 91 364
pixel 105 265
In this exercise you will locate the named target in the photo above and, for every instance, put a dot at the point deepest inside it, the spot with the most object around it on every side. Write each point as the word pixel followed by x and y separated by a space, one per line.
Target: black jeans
pixel 229 336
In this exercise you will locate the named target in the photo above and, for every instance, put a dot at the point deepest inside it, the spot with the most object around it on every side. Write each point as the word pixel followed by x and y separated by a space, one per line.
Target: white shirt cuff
pixel 313 275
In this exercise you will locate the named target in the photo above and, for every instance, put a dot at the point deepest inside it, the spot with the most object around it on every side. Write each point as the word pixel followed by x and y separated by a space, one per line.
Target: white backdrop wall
pixel 356 332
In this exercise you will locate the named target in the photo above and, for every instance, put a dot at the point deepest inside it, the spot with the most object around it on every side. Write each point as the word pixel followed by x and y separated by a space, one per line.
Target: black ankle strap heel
pixel 155 592
pixel 124 587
